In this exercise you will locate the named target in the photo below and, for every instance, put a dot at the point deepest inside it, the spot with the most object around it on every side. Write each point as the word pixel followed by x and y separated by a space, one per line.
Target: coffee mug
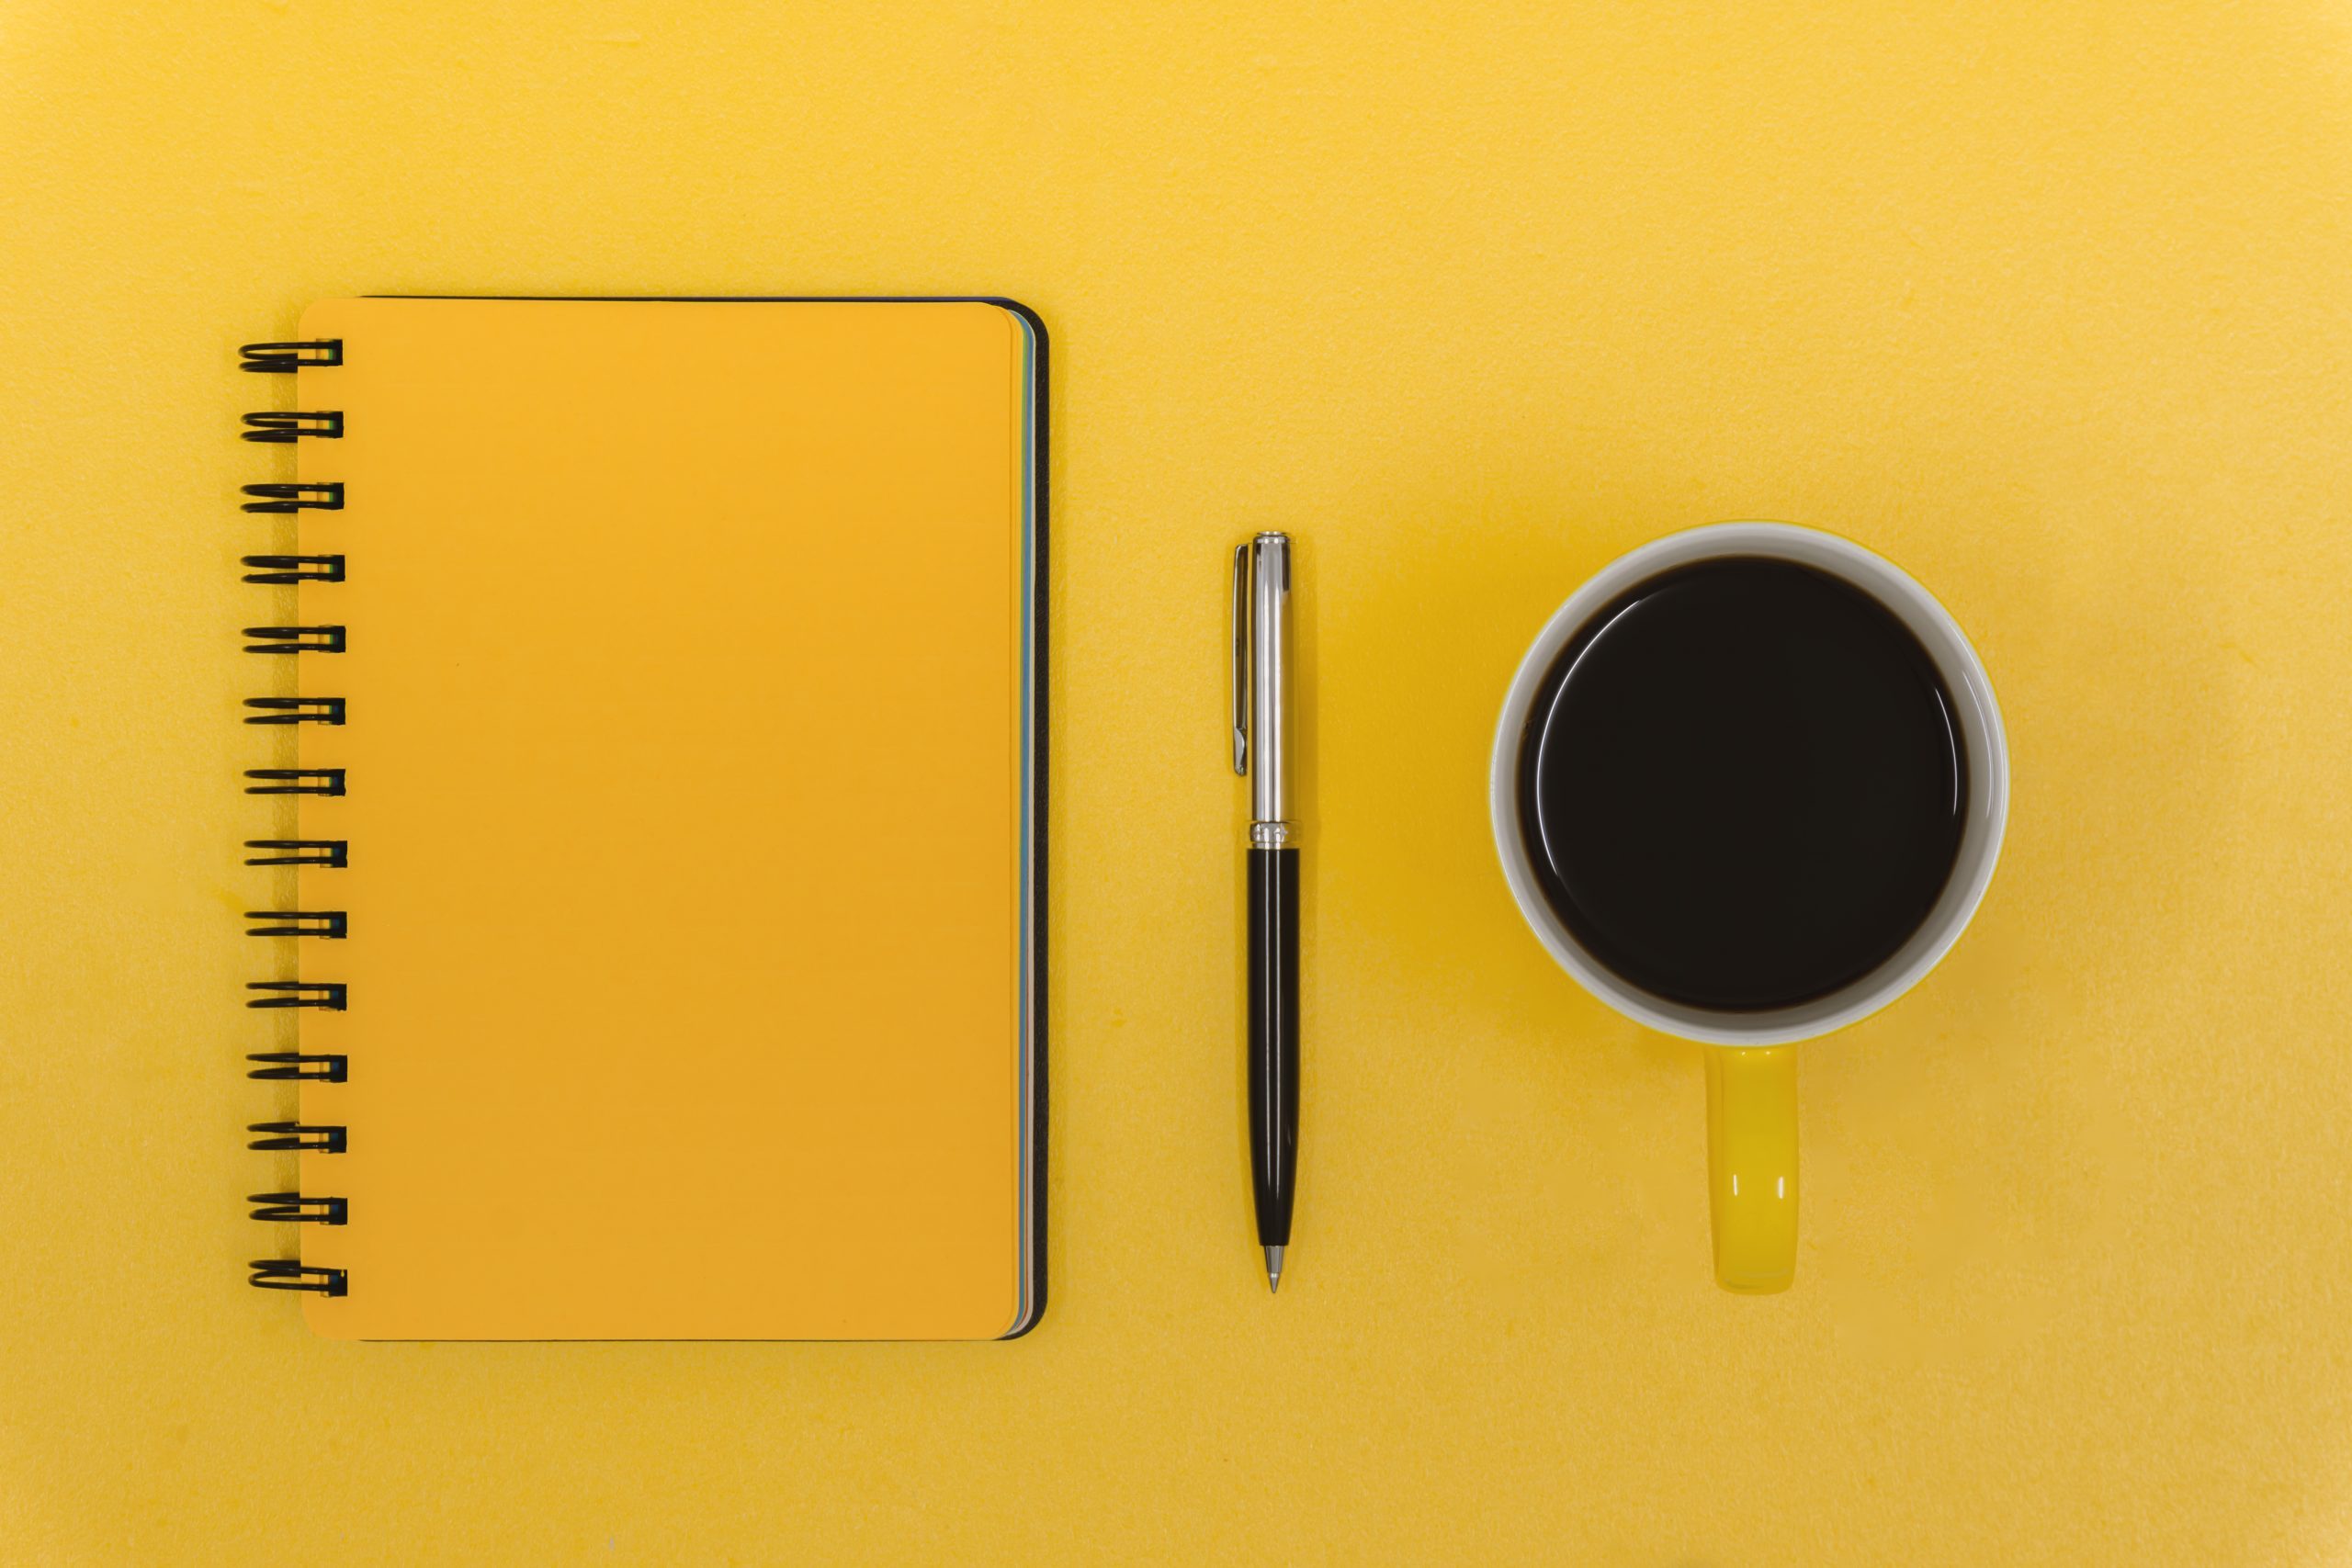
pixel 1750 1028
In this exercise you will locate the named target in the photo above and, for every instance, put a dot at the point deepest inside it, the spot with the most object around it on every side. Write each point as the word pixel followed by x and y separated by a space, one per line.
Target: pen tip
pixel 1273 1268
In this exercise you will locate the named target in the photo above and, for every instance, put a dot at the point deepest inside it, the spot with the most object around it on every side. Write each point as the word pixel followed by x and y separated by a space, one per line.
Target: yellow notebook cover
pixel 669 691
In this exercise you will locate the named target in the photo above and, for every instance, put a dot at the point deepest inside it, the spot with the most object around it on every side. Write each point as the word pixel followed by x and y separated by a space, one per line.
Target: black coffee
pixel 1742 785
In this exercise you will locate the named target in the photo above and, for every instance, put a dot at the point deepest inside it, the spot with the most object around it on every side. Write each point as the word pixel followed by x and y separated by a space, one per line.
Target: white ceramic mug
pixel 1751 1063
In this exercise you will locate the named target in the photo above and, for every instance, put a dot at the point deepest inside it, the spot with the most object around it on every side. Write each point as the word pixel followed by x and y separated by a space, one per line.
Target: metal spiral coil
pixel 283 1208
pixel 295 640
pixel 322 497
pixel 331 923
pixel 311 1066
pixel 329 995
pixel 299 1137
pixel 314 854
pixel 292 1274
pixel 294 710
pixel 294 569
pixel 295 781
pixel 332 853
pixel 281 428
pixel 284 359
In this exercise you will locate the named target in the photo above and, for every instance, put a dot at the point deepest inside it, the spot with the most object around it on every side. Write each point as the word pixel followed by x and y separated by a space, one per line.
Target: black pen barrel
pixel 1273 1039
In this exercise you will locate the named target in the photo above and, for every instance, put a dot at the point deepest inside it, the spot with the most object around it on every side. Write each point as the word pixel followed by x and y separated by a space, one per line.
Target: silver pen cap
pixel 1262 682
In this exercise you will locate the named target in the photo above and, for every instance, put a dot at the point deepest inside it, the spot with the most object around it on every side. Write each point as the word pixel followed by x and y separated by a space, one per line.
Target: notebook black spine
pixel 285 428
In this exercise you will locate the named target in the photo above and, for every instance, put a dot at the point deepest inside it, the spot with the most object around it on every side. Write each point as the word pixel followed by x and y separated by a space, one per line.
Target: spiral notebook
pixel 660 795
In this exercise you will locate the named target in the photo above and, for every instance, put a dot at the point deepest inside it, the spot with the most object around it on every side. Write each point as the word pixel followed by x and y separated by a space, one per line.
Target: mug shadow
pixel 1416 651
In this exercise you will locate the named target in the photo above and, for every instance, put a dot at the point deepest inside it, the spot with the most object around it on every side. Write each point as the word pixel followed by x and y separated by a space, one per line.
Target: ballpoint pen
pixel 1262 583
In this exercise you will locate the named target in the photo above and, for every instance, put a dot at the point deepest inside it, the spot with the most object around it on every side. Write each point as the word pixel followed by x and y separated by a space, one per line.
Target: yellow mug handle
pixel 1752 1166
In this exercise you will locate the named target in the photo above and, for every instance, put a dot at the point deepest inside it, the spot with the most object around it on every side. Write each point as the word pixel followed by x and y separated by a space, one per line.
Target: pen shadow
pixel 1425 650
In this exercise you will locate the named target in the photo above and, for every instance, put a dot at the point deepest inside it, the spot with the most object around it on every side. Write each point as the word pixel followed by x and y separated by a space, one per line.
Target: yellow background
pixel 2047 303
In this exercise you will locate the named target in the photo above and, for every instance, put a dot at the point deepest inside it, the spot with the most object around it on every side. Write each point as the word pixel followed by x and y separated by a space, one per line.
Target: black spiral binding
pixel 294 498
pixel 297 923
pixel 280 428
pixel 284 1208
pixel 293 1274
pixel 280 358
pixel 294 569
pixel 296 1207
pixel 294 710
pixel 295 640
pixel 295 781
pixel 332 852
pixel 298 1136
pixel 299 1064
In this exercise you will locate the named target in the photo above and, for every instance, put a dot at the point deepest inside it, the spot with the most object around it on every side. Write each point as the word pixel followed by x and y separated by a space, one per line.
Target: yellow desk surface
pixel 2050 304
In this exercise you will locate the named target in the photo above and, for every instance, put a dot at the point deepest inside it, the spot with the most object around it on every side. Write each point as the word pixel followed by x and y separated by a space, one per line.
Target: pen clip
pixel 1242 660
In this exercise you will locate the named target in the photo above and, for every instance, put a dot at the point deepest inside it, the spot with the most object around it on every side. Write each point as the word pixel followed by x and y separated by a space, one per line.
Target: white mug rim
pixel 1983 738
